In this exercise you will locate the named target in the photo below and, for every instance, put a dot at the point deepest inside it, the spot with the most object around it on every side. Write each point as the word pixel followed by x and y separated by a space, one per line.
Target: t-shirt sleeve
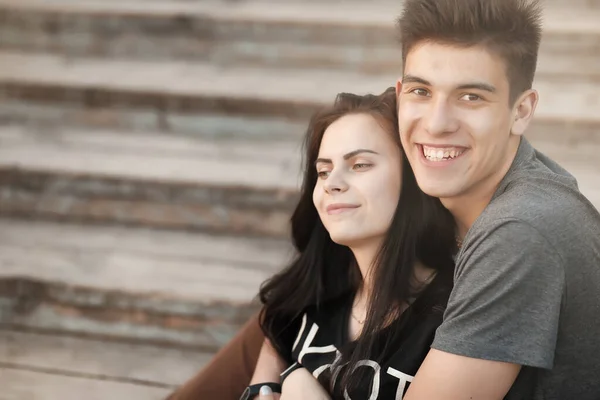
pixel 507 296
pixel 283 340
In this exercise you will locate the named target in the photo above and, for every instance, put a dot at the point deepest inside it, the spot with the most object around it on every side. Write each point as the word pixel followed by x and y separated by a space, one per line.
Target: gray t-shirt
pixel 527 284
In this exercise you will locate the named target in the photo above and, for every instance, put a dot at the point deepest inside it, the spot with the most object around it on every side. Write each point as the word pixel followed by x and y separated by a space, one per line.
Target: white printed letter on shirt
pixel 404 379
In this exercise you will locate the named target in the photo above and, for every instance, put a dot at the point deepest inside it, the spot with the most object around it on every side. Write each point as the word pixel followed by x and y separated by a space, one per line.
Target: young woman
pixel 359 306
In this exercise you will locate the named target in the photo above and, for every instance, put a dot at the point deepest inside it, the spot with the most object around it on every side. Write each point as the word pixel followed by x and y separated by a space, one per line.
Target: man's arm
pixel 452 377
pixel 503 313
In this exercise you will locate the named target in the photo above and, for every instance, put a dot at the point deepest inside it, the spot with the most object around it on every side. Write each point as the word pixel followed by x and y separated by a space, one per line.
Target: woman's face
pixel 359 183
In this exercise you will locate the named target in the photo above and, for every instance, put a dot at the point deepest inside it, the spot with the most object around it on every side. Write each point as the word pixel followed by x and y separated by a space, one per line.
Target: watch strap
pixel 253 390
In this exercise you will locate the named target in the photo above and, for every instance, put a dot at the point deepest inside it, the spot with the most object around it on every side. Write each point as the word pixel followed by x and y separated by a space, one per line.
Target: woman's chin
pixel 344 239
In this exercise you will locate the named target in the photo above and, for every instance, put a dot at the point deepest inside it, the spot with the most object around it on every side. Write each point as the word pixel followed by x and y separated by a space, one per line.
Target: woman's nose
pixel 335 183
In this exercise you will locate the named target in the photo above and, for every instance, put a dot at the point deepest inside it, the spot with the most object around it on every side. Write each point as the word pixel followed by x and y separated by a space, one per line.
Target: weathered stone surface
pixel 104 360
pixel 19 384
pixel 37 306
pixel 190 183
pixel 244 211
pixel 168 246
pixel 91 178
pixel 149 179
pixel 291 34
pixel 218 219
pixel 164 287
pixel 155 96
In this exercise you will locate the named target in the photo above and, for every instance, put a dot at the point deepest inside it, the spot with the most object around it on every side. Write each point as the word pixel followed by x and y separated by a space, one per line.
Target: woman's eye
pixel 322 174
pixel 360 166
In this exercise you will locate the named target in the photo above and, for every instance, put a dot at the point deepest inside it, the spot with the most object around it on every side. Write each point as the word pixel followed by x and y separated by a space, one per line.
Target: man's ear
pixel 398 87
pixel 523 111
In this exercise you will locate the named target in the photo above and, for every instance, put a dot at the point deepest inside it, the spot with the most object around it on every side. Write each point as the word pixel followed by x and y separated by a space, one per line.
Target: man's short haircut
pixel 510 29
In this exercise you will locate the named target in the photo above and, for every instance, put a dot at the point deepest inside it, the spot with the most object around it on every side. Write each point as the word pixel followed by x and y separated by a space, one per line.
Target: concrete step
pixel 111 366
pixel 272 34
pixel 208 100
pixel 178 182
pixel 168 288
pixel 149 179
pixel 18 385
pixel 153 3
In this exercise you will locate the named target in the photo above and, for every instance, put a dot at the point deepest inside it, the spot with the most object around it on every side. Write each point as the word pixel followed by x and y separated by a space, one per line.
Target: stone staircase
pixel 149 161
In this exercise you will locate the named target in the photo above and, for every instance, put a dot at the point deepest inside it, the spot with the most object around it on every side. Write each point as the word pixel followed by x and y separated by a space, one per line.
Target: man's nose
pixel 440 118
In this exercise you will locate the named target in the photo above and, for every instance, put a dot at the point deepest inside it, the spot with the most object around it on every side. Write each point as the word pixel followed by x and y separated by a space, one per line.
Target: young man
pixel 523 319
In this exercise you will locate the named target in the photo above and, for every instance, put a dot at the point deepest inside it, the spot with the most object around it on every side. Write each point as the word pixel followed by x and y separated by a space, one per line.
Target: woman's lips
pixel 339 208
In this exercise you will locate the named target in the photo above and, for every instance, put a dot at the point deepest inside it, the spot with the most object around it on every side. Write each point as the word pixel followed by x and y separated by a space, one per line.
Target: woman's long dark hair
pixel 421 231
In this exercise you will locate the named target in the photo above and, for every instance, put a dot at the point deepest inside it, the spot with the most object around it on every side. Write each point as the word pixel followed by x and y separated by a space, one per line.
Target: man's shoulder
pixel 537 202
pixel 539 193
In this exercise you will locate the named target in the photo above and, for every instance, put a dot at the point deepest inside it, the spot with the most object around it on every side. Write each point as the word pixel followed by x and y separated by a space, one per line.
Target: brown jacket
pixel 229 372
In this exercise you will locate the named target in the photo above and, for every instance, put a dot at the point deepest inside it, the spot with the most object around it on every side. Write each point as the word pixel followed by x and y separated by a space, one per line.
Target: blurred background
pixel 149 160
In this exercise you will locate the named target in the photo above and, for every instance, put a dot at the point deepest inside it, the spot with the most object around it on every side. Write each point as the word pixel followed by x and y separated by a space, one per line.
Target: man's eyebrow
pixel 347 156
pixel 415 79
pixel 477 85
pixel 469 85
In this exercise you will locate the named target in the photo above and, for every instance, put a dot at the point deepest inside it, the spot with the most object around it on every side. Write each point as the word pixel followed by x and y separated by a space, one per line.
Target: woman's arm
pixel 230 370
pixel 299 385
pixel 269 365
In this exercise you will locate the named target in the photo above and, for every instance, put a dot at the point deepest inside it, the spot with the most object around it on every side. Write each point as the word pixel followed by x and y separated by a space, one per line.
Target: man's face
pixel 455 120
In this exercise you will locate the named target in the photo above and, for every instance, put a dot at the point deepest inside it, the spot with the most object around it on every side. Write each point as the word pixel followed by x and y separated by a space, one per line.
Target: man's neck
pixel 467 207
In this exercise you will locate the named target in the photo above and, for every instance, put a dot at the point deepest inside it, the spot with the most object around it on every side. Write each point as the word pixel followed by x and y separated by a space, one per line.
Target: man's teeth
pixel 438 154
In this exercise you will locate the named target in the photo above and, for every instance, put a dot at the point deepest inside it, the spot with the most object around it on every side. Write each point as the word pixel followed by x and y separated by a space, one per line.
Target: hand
pixel 302 385
pixel 267 394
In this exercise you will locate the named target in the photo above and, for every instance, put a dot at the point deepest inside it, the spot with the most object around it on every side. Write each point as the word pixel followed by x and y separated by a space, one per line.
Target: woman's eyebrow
pixel 346 156
pixel 357 152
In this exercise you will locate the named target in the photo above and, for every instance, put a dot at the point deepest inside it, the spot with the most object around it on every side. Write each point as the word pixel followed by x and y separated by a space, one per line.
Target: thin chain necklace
pixel 352 311
pixel 426 282
pixel 356 319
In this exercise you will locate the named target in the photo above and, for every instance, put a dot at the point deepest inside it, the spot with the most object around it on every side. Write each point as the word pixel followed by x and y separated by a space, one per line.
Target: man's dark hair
pixel 510 29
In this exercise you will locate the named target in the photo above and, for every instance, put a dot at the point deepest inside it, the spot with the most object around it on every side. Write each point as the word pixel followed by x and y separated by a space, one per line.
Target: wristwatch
pixel 253 390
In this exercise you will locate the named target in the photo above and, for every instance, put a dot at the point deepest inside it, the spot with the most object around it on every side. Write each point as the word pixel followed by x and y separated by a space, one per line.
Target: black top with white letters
pixel 320 336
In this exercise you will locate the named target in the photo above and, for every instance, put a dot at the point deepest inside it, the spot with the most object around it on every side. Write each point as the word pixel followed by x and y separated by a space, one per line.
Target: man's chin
pixel 437 189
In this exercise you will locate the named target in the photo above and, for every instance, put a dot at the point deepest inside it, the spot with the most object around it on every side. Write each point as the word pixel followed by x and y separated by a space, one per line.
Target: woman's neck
pixel 365 258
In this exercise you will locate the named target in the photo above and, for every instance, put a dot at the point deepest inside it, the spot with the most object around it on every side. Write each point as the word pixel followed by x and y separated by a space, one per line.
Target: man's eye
pixel 420 92
pixel 470 97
